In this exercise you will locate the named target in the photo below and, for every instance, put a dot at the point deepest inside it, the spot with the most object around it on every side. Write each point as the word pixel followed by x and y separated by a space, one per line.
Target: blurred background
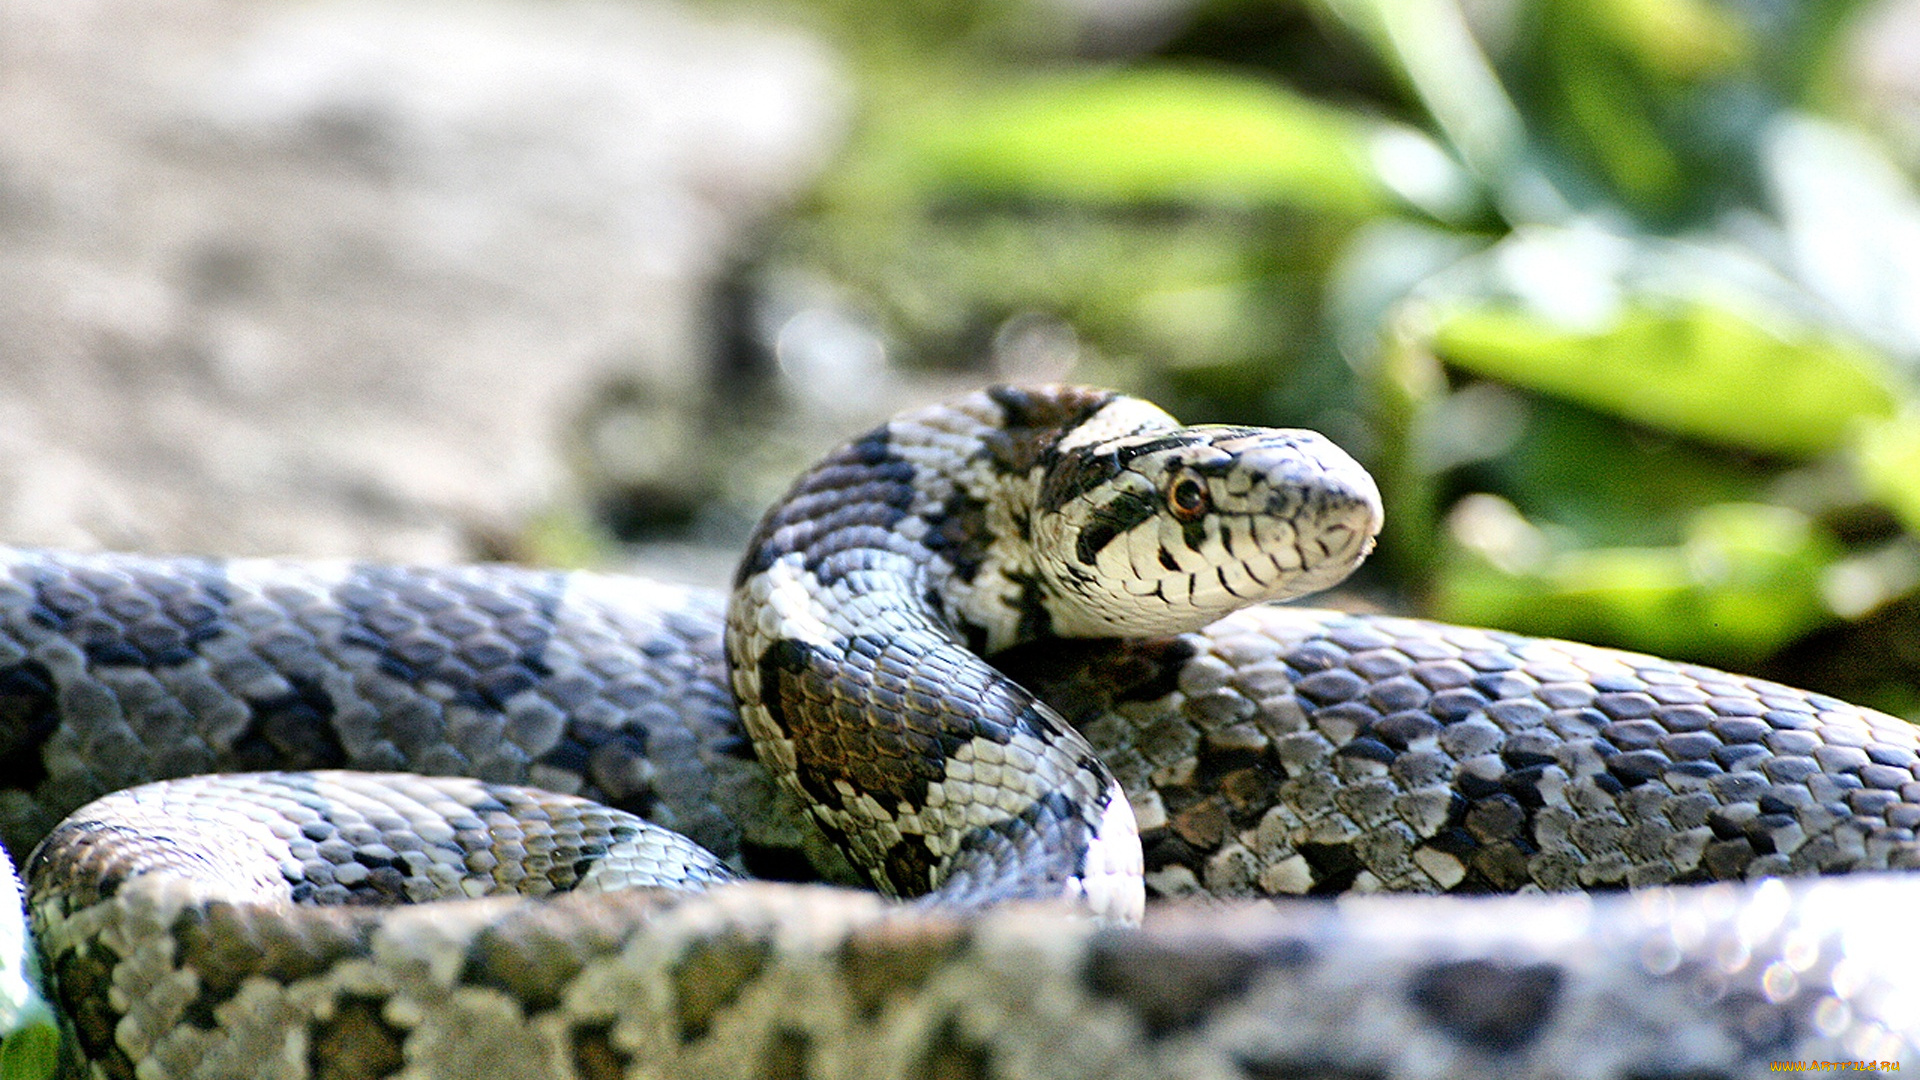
pixel 1619 299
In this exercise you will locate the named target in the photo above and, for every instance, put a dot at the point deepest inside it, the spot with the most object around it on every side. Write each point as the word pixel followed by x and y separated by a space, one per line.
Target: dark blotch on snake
pixel 793 671
pixel 853 509
pixel 1523 784
pixel 1499 817
pixel 534 956
pixel 612 759
pixel 1171 987
pixel 293 730
pixel 1636 767
pixel 784 659
pixel 886 963
pixel 1036 621
pixel 909 866
pixel 1232 751
pixel 873 448
pixel 1195 534
pixel 594 1055
pixel 959 535
pixel 1335 866
pixel 1034 422
pixel 1163 847
pixel 29 714
pixel 1110 520
pixel 1072 475
pixel 952 1055
pixel 786 1055
pixel 711 976
pixel 82 984
pixel 1127 454
pixel 230 944
pixel 356 1043
pixel 1454 840
pixel 975 635
pixel 1727 860
pixel 1487 1005
pixel 1362 748
pixel 1085 677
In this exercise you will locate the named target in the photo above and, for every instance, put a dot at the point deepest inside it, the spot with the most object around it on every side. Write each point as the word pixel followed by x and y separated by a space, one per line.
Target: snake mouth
pixel 1348 525
pixel 1330 557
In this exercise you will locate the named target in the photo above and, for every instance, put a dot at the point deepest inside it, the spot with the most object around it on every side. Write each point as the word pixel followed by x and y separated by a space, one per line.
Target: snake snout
pixel 1346 531
pixel 1327 501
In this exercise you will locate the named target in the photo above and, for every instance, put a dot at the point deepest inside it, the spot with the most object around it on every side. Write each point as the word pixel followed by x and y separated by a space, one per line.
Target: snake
pixel 1000 759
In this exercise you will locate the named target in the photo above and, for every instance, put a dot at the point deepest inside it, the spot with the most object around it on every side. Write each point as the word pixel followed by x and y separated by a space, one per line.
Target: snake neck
pixel 854 635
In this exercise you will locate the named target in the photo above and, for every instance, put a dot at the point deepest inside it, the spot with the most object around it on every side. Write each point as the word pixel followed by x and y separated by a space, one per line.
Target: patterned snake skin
pixel 1273 752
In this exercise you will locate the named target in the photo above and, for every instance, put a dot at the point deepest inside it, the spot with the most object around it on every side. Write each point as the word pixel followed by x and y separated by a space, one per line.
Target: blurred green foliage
pixel 1163 135
pixel 1687 367
pixel 1619 298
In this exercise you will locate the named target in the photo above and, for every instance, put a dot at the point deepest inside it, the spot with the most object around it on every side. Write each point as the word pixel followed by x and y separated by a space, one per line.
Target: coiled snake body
pixel 245 925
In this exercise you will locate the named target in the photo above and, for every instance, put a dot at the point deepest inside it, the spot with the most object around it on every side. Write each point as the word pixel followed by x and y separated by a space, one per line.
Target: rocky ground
pixel 341 277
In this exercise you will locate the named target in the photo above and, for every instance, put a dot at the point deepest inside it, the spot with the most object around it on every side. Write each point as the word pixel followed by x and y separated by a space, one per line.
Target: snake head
pixel 1163 532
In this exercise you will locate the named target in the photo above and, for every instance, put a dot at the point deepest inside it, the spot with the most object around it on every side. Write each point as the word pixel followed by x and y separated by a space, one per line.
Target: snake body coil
pixel 241 925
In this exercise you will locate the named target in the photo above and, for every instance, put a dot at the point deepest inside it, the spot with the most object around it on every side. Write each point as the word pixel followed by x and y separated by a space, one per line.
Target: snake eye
pixel 1187 498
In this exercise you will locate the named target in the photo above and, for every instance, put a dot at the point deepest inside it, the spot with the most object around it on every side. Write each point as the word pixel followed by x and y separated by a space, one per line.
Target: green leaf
pixel 1744 583
pixel 1886 458
pixel 1689 367
pixel 1159 134
pixel 1680 39
pixel 29 1034
pixel 1611 485
pixel 30 1052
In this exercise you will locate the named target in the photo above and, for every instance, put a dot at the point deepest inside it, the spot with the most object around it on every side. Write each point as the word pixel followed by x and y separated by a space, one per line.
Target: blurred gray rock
pixel 334 277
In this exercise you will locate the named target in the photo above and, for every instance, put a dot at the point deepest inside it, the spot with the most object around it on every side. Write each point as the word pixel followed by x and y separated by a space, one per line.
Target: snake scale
pixel 437 844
